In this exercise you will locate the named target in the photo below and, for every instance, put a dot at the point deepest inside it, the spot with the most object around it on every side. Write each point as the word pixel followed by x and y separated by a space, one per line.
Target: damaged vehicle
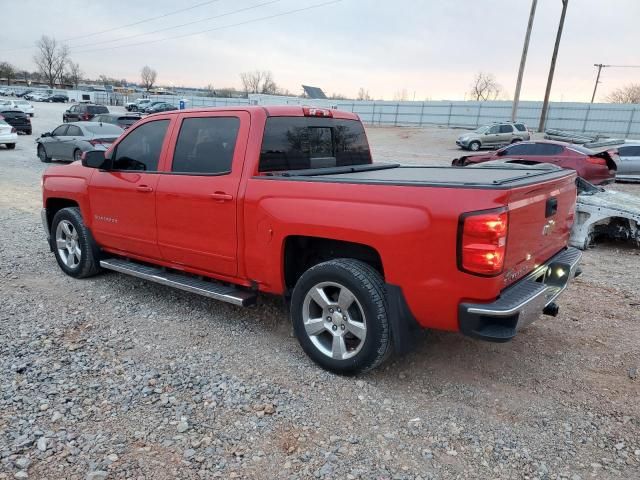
pixel 604 213
pixel 598 168
pixel 627 158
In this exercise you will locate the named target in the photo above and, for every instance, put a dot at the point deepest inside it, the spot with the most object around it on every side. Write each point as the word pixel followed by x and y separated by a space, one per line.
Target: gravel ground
pixel 112 377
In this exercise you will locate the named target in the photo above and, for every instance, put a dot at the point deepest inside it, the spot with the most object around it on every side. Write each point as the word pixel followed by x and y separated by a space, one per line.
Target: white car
pixel 8 135
pixel 21 105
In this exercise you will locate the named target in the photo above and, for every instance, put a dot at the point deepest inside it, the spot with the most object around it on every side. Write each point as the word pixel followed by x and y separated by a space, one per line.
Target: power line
pixel 289 12
pixel 176 26
pixel 150 19
pixel 164 15
pixel 600 67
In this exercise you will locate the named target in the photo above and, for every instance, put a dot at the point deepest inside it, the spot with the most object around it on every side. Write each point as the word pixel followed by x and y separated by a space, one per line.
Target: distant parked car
pixel 8 92
pixel 57 98
pixel 123 121
pixel 17 119
pixel 21 105
pixel 8 135
pixel 23 93
pixel 627 158
pixel 161 107
pixel 597 168
pixel 494 135
pixel 37 96
pixel 69 140
pixel 138 105
pixel 83 112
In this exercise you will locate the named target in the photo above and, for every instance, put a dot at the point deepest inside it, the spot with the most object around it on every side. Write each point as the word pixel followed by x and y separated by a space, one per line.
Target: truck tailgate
pixel 540 220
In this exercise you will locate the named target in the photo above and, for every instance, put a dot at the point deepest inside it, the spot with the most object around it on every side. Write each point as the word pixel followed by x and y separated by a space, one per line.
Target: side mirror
pixel 95 159
pixel 46 134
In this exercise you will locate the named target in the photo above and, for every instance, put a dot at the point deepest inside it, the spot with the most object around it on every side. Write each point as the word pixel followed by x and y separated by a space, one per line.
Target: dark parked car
pixel 17 119
pixel 23 93
pixel 57 98
pixel 597 168
pixel 160 107
pixel 146 106
pixel 123 121
pixel 69 140
pixel 83 112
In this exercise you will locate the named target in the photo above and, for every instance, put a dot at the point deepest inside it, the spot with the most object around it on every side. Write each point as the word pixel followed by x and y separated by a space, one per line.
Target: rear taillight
pixel 597 161
pixel 482 242
pixel 13 130
pixel 86 116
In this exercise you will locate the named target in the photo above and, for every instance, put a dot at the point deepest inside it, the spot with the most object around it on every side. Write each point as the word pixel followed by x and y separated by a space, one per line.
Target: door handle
pixel 144 188
pixel 221 197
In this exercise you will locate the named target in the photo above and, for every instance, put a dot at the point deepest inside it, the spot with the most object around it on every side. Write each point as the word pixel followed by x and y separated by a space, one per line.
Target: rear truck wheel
pixel 73 245
pixel 474 146
pixel 339 315
pixel 42 154
pixel 77 155
pixel 11 146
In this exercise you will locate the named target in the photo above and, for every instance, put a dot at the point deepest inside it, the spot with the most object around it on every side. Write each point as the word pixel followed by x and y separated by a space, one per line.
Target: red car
pixel 233 202
pixel 597 168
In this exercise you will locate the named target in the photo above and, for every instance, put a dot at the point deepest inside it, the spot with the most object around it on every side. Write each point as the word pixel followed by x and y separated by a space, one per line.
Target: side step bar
pixel 229 294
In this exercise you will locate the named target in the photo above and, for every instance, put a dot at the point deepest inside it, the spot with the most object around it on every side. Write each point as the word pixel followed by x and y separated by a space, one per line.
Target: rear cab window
pixel 300 143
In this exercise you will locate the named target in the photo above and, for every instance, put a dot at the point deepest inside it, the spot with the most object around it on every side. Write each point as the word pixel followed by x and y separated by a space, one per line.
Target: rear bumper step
pixel 225 293
pixel 521 303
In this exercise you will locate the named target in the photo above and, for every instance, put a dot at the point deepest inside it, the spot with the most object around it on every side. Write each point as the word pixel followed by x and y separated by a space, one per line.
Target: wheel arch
pixel 301 252
pixel 55 204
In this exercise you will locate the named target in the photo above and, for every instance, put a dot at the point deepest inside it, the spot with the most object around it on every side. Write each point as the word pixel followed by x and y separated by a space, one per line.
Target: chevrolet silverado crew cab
pixel 230 203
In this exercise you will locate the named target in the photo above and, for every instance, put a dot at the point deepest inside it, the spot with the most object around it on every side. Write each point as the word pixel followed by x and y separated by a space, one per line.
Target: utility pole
pixel 523 60
pixel 545 105
pixel 595 87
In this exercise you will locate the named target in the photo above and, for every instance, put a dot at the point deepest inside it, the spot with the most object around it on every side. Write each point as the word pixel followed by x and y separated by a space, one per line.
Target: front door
pixel 56 142
pixel 197 200
pixel 123 199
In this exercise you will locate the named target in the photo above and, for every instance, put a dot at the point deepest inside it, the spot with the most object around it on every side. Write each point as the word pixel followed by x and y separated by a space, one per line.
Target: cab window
pixel 206 145
pixel 140 150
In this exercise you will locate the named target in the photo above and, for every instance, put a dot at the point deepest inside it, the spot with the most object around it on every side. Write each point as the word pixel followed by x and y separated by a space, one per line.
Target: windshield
pixel 481 129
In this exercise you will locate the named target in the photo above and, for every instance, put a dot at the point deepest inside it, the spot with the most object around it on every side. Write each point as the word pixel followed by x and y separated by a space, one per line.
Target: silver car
pixel 494 135
pixel 69 140
pixel 628 161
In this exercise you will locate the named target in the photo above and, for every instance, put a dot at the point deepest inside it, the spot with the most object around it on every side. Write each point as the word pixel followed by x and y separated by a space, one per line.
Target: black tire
pixel 11 146
pixel 77 155
pixel 516 140
pixel 28 132
pixel 42 154
pixel 89 262
pixel 474 146
pixel 367 286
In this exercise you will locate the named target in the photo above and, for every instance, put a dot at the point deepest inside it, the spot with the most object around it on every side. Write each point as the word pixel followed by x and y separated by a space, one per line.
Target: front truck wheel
pixel 339 315
pixel 73 245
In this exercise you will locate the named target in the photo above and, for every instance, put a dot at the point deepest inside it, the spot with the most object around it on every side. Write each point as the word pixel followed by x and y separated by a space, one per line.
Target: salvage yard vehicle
pixel 598 168
pixel 494 135
pixel 8 135
pixel 138 105
pixel 69 140
pixel 627 158
pixel 17 119
pixel 604 213
pixel 123 121
pixel 233 202
pixel 83 112
pixel 20 105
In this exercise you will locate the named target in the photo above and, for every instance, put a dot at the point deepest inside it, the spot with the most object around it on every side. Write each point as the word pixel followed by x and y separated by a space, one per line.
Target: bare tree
pixel 337 96
pixel 400 95
pixel 363 94
pixel 7 71
pixel 148 76
pixel 627 94
pixel 51 59
pixel 74 73
pixel 259 82
pixel 485 87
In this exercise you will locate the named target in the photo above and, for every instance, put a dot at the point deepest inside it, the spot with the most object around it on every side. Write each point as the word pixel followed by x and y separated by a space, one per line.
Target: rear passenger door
pixel 505 134
pixel 197 198
pixel 69 145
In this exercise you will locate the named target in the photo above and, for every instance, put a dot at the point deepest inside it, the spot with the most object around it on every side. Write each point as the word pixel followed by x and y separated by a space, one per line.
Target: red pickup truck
pixel 234 202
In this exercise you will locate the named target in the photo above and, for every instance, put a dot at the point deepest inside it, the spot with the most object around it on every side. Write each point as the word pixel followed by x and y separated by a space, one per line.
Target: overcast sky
pixel 427 47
